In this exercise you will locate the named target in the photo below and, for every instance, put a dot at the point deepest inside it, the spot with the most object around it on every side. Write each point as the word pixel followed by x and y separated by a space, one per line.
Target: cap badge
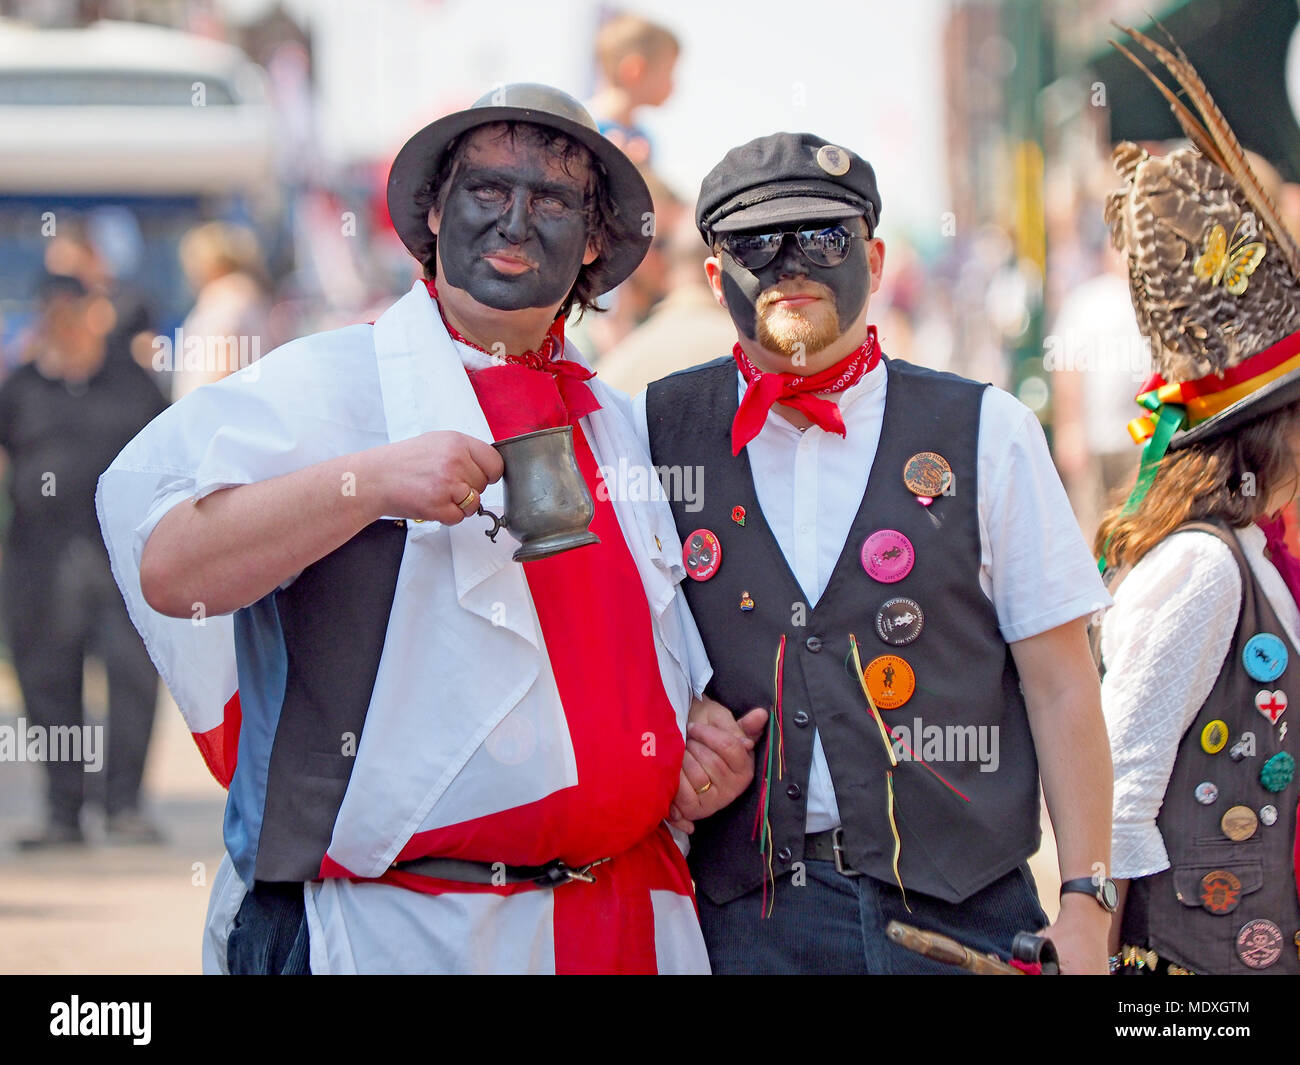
pixel 835 161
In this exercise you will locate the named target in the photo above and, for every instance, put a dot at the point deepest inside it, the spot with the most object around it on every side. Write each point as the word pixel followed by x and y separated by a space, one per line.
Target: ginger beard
pixel 789 331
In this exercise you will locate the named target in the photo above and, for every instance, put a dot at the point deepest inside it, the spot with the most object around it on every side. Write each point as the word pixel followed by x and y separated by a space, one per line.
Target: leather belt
pixel 552 874
pixel 828 847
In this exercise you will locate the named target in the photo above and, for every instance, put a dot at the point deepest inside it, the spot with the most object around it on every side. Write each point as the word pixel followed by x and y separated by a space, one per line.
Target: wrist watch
pixel 1103 890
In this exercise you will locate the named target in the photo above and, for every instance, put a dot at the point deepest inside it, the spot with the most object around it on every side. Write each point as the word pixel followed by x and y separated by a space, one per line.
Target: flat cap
pixel 782 178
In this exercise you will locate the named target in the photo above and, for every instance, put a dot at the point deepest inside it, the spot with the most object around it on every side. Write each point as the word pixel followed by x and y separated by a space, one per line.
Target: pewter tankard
pixel 547 504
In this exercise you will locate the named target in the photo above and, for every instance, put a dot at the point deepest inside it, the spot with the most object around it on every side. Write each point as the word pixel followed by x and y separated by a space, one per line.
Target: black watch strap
pixel 1104 891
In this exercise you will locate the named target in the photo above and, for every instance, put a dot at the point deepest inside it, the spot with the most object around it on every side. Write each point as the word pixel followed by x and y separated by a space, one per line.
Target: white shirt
pixel 1034 565
pixel 422 762
pixel 1163 646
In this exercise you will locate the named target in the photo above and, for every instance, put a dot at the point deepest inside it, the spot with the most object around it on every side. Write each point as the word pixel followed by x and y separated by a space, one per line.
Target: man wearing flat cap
pixel 438 759
pixel 893 569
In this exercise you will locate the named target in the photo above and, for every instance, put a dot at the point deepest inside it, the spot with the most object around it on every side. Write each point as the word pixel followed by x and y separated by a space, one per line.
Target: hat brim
pixel 417 160
pixel 1267 400
pixel 787 209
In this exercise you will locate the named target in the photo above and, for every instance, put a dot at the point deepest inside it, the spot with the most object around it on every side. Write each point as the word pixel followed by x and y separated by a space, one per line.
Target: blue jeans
pixel 269 935
pixel 836 924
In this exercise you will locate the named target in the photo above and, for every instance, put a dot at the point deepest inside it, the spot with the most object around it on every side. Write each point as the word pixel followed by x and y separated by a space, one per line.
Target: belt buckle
pixel 837 845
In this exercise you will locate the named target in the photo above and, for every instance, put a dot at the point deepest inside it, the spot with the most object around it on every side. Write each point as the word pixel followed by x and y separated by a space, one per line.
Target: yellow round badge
pixel 890 681
pixel 1214 737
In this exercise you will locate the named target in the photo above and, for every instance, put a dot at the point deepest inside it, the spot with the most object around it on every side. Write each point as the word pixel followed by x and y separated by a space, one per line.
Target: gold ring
pixel 468 500
pixel 701 791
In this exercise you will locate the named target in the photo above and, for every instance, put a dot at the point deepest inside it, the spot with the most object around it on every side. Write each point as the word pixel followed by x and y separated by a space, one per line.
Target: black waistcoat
pixel 965 675
pixel 333 620
pixel 1170 907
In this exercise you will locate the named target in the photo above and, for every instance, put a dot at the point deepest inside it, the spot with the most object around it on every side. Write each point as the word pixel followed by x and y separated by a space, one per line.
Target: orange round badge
pixel 890 681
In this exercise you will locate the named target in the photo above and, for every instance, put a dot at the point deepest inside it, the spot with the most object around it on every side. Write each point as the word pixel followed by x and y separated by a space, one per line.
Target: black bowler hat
pixel 782 178
pixel 542 106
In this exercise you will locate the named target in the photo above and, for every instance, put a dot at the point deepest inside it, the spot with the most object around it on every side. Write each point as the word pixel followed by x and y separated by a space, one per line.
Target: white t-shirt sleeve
pixel 1034 566
pixel 1163 646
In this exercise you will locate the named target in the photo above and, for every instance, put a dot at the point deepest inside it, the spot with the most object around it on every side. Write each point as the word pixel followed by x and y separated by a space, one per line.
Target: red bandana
pixel 1286 564
pixel 519 396
pixel 793 390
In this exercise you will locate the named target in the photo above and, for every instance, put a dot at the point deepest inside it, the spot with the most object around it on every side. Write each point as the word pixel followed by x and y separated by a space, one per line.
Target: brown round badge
pixel 927 473
pixel 890 681
pixel 1239 822
pixel 1220 891
pixel 1259 943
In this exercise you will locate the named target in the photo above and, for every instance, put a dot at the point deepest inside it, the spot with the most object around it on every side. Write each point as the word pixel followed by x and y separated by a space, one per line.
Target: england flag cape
pixel 333 394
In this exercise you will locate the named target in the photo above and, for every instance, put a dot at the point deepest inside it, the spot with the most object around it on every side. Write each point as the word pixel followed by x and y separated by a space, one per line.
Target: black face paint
pixel 850 281
pixel 504 199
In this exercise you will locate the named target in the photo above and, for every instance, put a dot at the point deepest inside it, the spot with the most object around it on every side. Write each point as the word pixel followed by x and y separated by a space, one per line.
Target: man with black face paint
pixel 439 759
pixel 894 570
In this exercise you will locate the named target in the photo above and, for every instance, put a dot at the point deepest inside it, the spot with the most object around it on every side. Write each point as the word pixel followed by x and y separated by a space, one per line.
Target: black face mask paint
pixel 850 282
pixel 523 210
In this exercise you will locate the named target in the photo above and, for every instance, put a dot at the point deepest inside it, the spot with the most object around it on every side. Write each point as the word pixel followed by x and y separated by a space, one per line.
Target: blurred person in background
pixel 63 417
pixel 76 250
pixel 229 321
pixel 1099 360
pixel 686 327
pixel 626 307
pixel 635 59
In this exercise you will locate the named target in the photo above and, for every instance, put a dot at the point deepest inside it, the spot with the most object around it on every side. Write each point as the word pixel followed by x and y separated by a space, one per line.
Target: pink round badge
pixel 887 556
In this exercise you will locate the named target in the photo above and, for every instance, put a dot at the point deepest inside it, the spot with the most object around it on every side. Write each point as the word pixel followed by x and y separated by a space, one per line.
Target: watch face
pixel 1108 894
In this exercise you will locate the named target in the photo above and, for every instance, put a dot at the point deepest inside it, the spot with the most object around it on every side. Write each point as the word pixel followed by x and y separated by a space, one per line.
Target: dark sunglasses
pixel 827 246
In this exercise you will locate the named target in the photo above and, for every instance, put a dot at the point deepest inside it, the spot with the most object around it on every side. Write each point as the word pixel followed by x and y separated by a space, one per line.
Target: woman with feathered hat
pixel 1199 652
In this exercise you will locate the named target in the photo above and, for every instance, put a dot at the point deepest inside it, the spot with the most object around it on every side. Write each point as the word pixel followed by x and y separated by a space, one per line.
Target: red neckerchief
pixel 766 388
pixel 1280 555
pixel 569 377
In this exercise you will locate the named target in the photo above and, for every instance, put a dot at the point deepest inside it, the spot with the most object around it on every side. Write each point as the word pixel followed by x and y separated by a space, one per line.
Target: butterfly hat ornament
pixel 1214 274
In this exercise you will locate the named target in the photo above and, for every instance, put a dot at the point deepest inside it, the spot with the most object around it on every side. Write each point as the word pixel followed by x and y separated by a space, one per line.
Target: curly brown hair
pixel 1233 476
pixel 598 207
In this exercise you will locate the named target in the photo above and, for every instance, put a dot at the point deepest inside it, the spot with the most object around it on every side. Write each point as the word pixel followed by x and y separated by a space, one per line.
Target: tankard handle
pixel 497 523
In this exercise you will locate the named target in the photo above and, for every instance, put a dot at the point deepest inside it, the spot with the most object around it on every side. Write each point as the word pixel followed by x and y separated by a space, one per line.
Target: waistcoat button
pixel 783 854
pixel 813 643
pixel 801 718
pixel 793 791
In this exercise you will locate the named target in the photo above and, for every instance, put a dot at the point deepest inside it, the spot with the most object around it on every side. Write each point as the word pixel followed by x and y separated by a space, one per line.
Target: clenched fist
pixel 427 476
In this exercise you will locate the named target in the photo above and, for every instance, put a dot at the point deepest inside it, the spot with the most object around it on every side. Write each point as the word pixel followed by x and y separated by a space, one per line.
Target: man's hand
pixel 1079 936
pixel 428 475
pixel 719 761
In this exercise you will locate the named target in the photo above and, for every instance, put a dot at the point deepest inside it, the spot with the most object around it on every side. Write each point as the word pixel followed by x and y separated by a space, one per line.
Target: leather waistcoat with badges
pixel 1229 905
pixel 966 685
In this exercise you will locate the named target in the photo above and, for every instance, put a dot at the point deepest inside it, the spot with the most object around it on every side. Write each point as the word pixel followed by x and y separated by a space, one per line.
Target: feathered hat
pixel 1214 274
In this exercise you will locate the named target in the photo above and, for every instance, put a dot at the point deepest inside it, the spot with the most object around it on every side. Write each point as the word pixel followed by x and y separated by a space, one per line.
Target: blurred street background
pixel 216 169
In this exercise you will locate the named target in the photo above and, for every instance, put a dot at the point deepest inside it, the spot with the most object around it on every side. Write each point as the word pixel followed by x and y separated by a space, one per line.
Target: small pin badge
pixel 927 474
pixel 833 160
pixel 738 515
pixel 1214 737
pixel 746 602
pixel 1272 704
pixel 1264 657
pixel 1277 772
pixel 1259 943
pixel 701 555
